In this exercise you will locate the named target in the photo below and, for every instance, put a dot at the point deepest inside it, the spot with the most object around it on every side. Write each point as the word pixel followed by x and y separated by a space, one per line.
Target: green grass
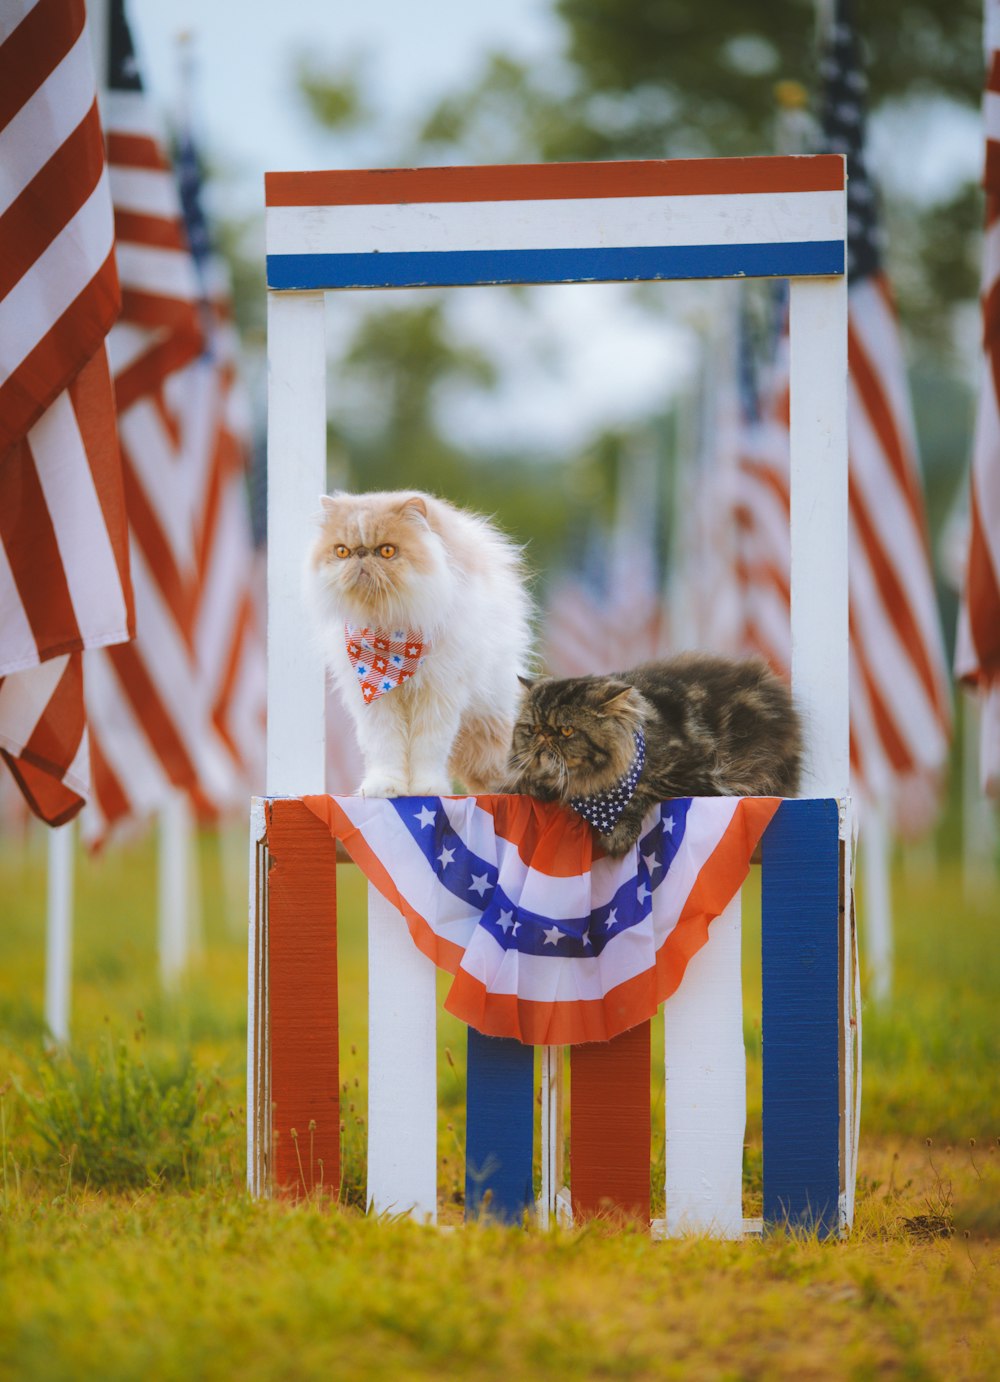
pixel 129 1249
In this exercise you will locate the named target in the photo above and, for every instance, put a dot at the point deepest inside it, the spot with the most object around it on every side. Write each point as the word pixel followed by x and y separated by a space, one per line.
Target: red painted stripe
pixel 302 990
pixel 610 1126
pixel 557 181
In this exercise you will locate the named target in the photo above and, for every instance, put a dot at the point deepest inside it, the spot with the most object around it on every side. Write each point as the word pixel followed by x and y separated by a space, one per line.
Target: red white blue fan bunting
pixel 548 940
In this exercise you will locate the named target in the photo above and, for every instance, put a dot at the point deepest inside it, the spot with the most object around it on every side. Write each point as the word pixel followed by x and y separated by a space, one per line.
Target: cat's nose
pixel 361 551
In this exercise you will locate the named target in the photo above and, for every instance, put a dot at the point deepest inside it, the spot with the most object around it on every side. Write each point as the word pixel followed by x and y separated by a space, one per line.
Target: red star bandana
pixel 383 658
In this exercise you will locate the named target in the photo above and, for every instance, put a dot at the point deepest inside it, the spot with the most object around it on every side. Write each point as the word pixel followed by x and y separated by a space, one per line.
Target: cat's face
pixel 573 737
pixel 375 559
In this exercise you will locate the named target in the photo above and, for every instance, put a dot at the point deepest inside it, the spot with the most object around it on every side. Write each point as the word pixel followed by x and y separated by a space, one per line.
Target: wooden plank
pixel 705 1096
pixel 302 990
pixel 610 1125
pixel 296 477
pixel 775 174
pixel 500 1124
pixel 800 1015
pixel 551 1132
pixel 818 451
pixel 402 1068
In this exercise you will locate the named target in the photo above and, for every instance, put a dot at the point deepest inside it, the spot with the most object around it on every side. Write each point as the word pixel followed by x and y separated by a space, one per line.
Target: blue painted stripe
pixel 800 1019
pixel 454 268
pixel 500 1107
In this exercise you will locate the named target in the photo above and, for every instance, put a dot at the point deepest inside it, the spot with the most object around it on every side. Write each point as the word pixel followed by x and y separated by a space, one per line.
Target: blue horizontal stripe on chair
pixel 463 268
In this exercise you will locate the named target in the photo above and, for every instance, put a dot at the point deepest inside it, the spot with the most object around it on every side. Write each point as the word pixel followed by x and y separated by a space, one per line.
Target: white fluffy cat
pixel 424 621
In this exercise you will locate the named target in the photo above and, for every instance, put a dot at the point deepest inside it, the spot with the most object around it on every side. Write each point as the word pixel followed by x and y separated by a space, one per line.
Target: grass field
pixel 130 1249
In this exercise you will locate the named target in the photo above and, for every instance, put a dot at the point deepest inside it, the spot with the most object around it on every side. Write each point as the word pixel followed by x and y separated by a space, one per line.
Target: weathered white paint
pixel 705 1099
pixel 296 477
pixel 59 929
pixel 551 1133
pixel 748 218
pixel 818 400
pixel 402 1068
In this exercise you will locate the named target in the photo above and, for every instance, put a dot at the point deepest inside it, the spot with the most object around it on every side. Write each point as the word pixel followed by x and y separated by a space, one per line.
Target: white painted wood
pixel 551 1135
pixel 745 218
pixel 174 888
pixel 296 477
pixel 818 402
pixel 402 1068
pixel 59 930
pixel 705 1068
pixel 876 850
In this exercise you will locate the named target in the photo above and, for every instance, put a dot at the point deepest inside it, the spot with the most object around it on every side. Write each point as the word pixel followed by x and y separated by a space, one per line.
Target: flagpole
pixel 59 883
pixel 59 930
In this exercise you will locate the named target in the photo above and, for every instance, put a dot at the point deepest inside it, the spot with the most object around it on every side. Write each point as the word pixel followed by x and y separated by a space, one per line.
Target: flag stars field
pixel 426 816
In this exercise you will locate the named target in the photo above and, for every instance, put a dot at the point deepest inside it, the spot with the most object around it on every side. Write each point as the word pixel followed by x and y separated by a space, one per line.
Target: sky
pixel 587 356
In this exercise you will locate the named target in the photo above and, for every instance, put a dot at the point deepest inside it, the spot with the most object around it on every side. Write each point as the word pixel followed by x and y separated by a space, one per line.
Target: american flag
pixel 548 940
pixel 977 654
pixel 900 703
pixel 216 427
pixel 900 699
pixel 149 708
pixel 64 568
pixel 609 613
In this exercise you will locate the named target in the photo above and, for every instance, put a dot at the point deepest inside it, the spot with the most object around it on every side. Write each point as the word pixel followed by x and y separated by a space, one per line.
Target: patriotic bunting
pixel 549 941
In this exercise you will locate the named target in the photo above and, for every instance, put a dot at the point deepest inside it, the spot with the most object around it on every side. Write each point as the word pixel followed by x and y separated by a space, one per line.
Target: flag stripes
pixel 64 569
pixel 977 653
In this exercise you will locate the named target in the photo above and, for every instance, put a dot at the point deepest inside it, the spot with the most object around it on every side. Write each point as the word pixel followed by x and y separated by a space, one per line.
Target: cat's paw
pixel 383 785
pixel 621 839
pixel 430 785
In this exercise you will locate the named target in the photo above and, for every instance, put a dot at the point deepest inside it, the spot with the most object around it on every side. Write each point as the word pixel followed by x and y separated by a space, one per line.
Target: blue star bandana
pixel 604 809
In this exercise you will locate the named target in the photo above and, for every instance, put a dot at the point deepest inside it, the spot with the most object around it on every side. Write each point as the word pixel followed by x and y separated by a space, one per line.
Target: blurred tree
pixel 663 78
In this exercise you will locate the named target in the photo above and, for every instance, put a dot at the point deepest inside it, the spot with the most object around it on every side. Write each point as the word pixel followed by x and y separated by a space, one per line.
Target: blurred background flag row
pixel 150 703
pixel 900 700
pixel 977 654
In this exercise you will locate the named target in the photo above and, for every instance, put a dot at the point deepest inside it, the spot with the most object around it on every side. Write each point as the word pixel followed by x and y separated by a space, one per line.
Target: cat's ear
pixel 615 698
pixel 328 502
pixel 526 682
pixel 414 507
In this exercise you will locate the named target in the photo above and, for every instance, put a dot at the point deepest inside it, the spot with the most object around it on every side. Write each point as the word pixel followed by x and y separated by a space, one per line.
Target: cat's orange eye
pixel 566 731
pixel 342 551
pixel 387 550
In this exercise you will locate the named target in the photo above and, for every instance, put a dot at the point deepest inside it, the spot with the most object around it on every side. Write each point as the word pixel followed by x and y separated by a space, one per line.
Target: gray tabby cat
pixel 694 725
